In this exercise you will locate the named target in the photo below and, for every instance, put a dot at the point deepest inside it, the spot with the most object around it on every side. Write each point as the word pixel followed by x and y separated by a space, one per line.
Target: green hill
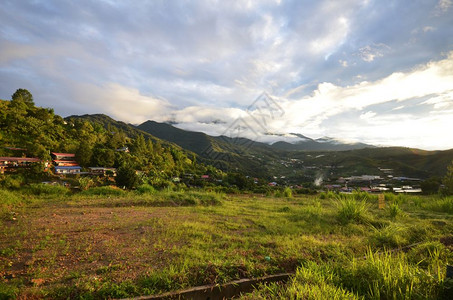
pixel 96 140
pixel 281 160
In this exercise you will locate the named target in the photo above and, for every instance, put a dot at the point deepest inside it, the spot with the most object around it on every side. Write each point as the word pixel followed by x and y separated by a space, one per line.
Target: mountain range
pixel 300 161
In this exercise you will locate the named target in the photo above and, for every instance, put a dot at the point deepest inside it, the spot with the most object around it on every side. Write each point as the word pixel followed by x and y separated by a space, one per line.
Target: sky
pixel 378 72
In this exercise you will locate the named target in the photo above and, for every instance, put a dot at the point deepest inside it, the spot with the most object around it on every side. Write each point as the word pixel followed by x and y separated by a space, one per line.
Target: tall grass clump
pixel 390 276
pixel 192 198
pixel 46 189
pixel 394 210
pixel 146 189
pixel 364 196
pixel 351 210
pixel 312 281
pixel 440 205
pixel 327 195
pixel 103 191
pixel 316 281
pixel 388 237
pixel 287 192
pixel 389 197
pixel 8 200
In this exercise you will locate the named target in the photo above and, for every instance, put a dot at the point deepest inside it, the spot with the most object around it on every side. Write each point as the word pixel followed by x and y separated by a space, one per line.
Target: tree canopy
pixel 97 143
pixel 24 96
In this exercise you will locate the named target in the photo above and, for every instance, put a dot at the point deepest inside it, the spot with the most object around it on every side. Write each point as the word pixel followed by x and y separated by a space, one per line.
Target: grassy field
pixel 106 243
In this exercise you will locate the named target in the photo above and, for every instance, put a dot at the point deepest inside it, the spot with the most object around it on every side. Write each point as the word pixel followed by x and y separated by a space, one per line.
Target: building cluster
pixel 61 164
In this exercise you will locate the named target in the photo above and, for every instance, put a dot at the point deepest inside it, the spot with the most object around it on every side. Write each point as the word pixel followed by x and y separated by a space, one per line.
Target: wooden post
pixel 381 201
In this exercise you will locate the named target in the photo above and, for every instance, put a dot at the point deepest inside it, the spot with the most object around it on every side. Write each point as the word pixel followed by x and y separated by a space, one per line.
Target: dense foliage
pixel 27 130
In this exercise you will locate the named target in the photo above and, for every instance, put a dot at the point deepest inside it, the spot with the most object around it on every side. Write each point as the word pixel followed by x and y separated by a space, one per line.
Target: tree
pixel 126 177
pixel 84 154
pixel 448 180
pixel 431 185
pixel 24 96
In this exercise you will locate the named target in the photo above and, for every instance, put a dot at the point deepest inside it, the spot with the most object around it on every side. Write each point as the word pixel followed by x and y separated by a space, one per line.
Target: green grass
pixel 352 210
pixel 103 191
pixel 377 276
pixel 38 189
pixel 99 244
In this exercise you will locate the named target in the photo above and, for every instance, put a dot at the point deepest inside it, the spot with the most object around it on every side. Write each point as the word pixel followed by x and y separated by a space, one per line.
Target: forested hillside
pixel 27 130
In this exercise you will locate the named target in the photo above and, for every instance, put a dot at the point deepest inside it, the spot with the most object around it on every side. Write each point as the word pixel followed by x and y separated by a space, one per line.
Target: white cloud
pixel 428 29
pixel 370 52
pixel 121 102
pixel 368 115
pixel 444 5
pixel 310 114
pixel 204 57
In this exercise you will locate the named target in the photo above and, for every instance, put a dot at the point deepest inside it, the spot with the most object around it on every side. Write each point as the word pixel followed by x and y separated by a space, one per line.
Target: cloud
pixel 312 114
pixel 370 52
pixel 206 61
pixel 444 5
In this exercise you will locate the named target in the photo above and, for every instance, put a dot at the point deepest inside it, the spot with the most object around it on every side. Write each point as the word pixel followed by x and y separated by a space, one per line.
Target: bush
pixel 13 182
pixel 126 178
pixel 146 189
pixel 46 189
pixel 85 183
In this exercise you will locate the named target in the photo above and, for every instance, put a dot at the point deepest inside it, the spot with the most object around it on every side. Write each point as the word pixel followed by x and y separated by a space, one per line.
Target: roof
pixel 14 148
pixel 68 167
pixel 20 159
pixel 64 154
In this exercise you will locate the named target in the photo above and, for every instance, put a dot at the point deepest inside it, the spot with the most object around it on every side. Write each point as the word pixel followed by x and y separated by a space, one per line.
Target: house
pixel 102 171
pixel 63 156
pixel 123 149
pixel 13 163
pixel 65 163
pixel 67 170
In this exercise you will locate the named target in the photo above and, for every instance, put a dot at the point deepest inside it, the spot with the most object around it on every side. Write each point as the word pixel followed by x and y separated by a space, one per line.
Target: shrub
pixel 146 189
pixel 46 189
pixel 85 183
pixel 11 181
pixel 126 177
